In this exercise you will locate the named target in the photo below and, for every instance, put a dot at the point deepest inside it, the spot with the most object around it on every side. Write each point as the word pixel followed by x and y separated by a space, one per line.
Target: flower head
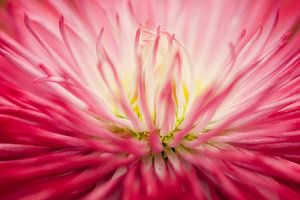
pixel 165 99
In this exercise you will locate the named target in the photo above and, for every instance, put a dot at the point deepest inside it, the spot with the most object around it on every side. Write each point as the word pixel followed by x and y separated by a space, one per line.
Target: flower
pixel 149 99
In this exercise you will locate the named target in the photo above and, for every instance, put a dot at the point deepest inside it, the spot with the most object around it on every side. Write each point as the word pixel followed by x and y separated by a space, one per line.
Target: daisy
pixel 129 99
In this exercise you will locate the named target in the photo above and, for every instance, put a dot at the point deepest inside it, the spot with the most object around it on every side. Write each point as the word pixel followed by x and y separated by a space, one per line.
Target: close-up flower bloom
pixel 154 99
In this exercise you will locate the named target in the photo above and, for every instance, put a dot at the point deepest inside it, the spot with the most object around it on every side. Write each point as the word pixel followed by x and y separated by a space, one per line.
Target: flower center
pixel 152 95
pixel 163 86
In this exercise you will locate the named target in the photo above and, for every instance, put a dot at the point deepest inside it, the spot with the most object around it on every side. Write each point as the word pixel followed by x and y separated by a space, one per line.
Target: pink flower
pixel 149 99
